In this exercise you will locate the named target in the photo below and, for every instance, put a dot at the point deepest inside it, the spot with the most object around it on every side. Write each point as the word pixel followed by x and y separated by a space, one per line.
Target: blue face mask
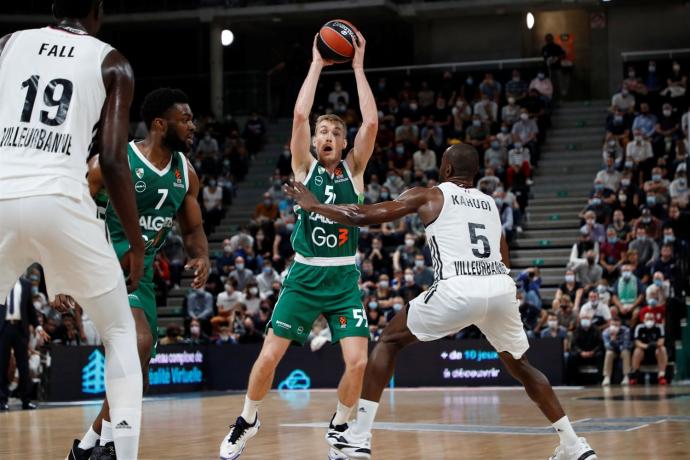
pixel 596 201
pixel 651 200
pixel 495 145
pixel 504 129
pixel 652 302
pixel 373 305
pixel 599 187
pixel 656 177
pixel 669 238
pixel 400 149
pixel 659 283
pixel 613 239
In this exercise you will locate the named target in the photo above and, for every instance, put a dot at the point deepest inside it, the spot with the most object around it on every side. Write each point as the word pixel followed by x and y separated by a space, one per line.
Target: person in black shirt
pixel 649 345
pixel 587 348
pixel 552 52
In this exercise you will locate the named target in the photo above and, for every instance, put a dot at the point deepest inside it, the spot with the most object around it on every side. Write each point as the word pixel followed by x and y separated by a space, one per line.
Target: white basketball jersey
pixel 465 239
pixel 52 93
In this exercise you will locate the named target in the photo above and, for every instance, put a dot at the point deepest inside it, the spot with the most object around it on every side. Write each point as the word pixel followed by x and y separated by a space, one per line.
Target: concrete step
pixel 554 208
pixel 573 145
pixel 548 234
pixel 554 186
pixel 562 253
pixel 540 261
pixel 164 323
pixel 541 216
pixel 578 177
pixel 176 302
pixel 559 158
pixel 547 272
pixel 177 292
pixel 588 103
pixel 170 311
pixel 555 200
pixel 556 171
pixel 553 224
pixel 577 131
pixel 539 243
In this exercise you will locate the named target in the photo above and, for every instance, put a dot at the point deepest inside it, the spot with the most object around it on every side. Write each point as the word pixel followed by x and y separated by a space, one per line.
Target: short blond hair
pixel 332 118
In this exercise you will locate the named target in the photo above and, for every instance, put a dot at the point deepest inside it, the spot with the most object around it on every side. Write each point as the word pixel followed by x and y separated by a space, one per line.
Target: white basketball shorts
pixel 65 237
pixel 488 302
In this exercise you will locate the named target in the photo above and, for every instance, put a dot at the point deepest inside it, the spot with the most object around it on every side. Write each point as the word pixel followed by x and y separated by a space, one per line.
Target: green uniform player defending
pixel 323 279
pixel 166 188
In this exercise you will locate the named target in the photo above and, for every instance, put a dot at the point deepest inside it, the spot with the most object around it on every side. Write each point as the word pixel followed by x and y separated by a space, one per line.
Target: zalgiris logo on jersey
pixel 155 223
pixel 139 172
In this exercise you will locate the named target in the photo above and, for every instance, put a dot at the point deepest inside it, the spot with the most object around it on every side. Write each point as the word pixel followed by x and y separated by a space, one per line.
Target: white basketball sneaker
pixel 234 443
pixel 578 451
pixel 348 444
pixel 335 455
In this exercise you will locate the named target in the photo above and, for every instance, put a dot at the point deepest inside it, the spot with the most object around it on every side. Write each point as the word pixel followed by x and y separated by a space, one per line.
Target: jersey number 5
pixel 476 239
pixel 62 103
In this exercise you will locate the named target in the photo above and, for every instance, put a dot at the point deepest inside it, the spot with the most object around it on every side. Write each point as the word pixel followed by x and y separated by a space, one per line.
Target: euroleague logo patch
pixel 343 322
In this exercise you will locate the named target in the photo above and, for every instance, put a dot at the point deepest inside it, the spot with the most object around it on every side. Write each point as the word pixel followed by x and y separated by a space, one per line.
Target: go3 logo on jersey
pixel 320 238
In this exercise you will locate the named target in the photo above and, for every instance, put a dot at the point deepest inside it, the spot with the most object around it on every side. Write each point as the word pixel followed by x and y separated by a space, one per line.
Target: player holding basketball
pixel 60 87
pixel 323 278
pixel 166 187
pixel 472 286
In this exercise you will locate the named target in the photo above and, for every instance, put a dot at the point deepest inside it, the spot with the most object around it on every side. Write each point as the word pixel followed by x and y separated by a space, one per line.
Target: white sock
pixel 366 413
pixel 89 440
pixel 106 433
pixel 250 410
pixel 342 414
pixel 565 431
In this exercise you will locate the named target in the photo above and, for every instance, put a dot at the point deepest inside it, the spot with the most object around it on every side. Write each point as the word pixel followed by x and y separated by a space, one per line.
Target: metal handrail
pixel 626 55
pixel 499 63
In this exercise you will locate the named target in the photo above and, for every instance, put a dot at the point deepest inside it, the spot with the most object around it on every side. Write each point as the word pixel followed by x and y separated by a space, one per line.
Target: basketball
pixel 336 41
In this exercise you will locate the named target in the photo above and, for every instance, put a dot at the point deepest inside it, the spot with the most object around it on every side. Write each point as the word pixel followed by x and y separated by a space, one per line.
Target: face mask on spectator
pixel 469 80
pixel 511 100
pixel 253 290
pixel 383 284
pixel 419 263
pixel 626 275
pixel 596 201
pixel 638 138
pixel 669 238
pixel 651 201
pixel 590 221
pixel 290 226
pixel 227 248
pixel 200 291
pixel 34 290
pixel 601 289
pixel 477 122
pixel 212 183
pixel 613 329
pixel 195 330
pixel 658 282
pixel 239 267
pixel 409 278
pixel 517 145
pixel 622 198
pixel 553 324
pixel 625 182
pixel 397 306
pixel 618 119
pixel 667 113
pixel 643 237
pixel 400 149
pixel 594 303
pixel 599 187
pixel 569 278
pixel 541 76
pixel 413 107
pixel 652 302
pixel 524 116
pixel 268 202
pixel 504 129
pixel 409 242
pixel 629 165
pixel 373 305
pixel 495 145
pixel 268 270
pixel 656 177
pixel 384 195
pixel 649 323
pixel 585 323
pixel 499 202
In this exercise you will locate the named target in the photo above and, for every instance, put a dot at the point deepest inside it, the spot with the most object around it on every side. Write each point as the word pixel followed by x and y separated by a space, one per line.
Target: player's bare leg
pixel 260 380
pixel 540 391
pixel 97 443
pixel 378 373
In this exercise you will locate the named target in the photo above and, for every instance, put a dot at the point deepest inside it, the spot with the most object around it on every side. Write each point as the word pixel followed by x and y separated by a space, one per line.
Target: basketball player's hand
pixel 201 266
pixel 132 264
pixel 301 194
pixel 63 303
pixel 360 43
pixel 316 56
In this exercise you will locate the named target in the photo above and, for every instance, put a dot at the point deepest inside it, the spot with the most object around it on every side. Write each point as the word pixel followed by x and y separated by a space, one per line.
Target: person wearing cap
pixel 651 224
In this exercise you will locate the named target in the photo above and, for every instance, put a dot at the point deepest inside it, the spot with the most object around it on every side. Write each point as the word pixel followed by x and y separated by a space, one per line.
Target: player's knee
pixel 269 358
pixel 357 364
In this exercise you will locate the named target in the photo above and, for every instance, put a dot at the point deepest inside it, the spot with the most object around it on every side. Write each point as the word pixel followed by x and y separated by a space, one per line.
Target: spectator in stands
pixel 496 157
pixel 173 335
pixel 653 305
pixel 620 226
pixel 423 275
pixel 337 94
pixel 649 346
pixel 505 136
pixel 529 313
pixel 639 151
pixel 200 305
pixel 525 131
pixel 597 311
pixel 379 257
pixel 609 176
pixel 462 115
pixel 68 332
pixel 647 249
pixel 589 272
pixel 373 190
pixel 663 285
pixel 516 88
pixel 213 205
pixel 227 299
pixel 634 83
pixel 542 83
pixel 667 264
pixel 510 113
pixel 554 330
pixel 400 161
pixel 505 210
pixel 530 281
pixel 208 146
pixel 645 121
pixel 487 110
pixel 617 343
pixel 407 133
pixel 678 189
pixel 623 101
pixel 469 89
pixel 519 165
pixel 656 189
pixel 254 132
pixel 477 134
pixel 580 248
pixel 267 209
pixel 571 288
pixel 409 290
pixel 618 125
pixel 566 314
pixel 586 348
pixel 667 131
pixel 394 184
pixel 241 274
pixel 424 160
pixel 595 230
pixel 649 223
pixel 425 96
pixel 652 82
pixel 442 113
pixel 405 254
pixel 432 134
pixel 266 278
pixel 490 87
pixel 677 84
pixel 489 183
pixel 611 253
pixel 196 335
pixel 252 301
pixel 628 294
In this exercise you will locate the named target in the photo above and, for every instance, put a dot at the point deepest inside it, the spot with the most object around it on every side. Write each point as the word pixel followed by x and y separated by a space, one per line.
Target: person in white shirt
pixel 623 100
pixel 227 299
pixel 609 176
pixel 335 95
pixel 486 109
pixel 640 149
pixel 266 278
pixel 543 85
pixel 510 113
pixel 598 311
pixel 425 159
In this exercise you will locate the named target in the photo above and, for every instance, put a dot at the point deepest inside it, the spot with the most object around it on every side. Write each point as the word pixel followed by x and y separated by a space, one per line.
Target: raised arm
pixel 119 83
pixel 301 132
pixel 94 176
pixel 366 136
pixel 359 215
pixel 192 230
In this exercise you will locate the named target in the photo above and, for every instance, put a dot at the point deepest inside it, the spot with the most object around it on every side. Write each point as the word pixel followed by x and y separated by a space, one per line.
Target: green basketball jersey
pixel 159 195
pixel 316 235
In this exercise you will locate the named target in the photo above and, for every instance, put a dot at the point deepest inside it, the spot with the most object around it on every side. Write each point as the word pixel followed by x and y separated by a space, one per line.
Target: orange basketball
pixel 336 41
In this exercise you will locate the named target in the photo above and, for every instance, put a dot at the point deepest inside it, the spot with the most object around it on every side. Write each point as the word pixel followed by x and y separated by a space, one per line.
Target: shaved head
pixel 460 160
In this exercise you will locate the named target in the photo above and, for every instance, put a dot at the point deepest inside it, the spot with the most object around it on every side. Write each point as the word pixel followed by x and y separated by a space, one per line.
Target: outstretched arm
pixel 366 136
pixel 192 229
pixel 301 132
pixel 359 215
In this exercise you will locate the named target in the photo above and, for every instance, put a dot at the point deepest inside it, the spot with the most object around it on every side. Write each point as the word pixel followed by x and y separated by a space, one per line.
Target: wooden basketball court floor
pixel 651 423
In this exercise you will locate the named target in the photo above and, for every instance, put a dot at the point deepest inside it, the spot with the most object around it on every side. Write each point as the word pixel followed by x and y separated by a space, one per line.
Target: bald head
pixel 460 160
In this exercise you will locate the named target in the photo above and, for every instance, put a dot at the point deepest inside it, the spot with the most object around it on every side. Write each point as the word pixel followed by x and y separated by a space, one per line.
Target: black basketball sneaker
pixel 106 452
pixel 76 453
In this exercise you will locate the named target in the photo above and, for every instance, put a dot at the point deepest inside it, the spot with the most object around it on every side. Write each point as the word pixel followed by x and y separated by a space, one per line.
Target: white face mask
pixel 524 116
pixel 649 323
pixel 553 324
pixel 195 330
pixel 613 329
pixel 253 290
pixel 585 323
pixel 409 278
pixel 409 242
pixel 383 284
